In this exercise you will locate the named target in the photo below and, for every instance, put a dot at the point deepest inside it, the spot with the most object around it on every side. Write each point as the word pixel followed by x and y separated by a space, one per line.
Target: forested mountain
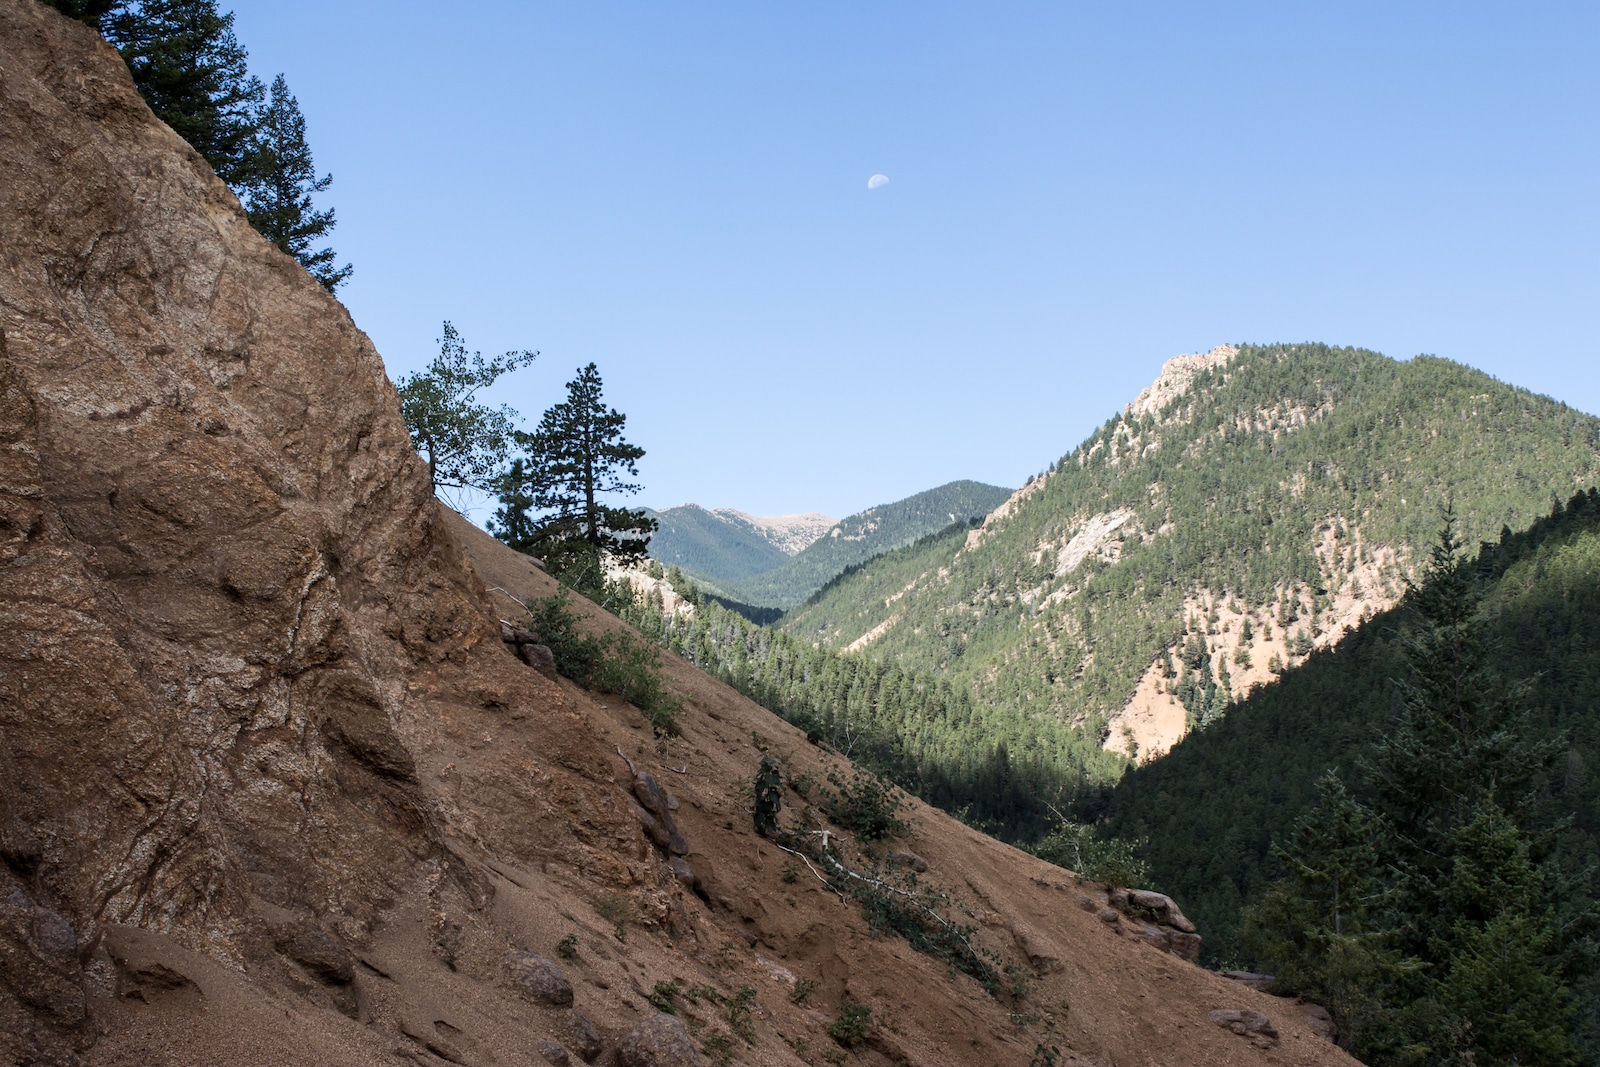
pixel 712 546
pixel 1212 807
pixel 863 536
pixel 1247 508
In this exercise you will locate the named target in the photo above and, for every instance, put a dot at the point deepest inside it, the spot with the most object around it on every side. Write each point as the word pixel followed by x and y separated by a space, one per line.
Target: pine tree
pixel 1500 941
pixel 282 181
pixel 1462 737
pixel 91 12
pixel 464 442
pixel 576 455
pixel 192 72
pixel 1320 927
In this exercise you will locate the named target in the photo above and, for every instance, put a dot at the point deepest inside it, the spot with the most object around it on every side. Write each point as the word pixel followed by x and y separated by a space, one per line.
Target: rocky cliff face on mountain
pixel 275 789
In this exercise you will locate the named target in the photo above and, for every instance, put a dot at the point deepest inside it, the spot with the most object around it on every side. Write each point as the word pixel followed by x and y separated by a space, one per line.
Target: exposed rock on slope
pixel 272 787
pixel 789 534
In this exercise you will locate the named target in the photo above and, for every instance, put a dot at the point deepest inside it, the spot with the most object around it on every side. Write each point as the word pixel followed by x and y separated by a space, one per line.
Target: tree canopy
pixel 193 72
pixel 465 442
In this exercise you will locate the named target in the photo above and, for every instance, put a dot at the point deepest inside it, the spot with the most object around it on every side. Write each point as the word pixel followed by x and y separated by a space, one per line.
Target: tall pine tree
pixel 282 180
pixel 192 72
pixel 574 457
pixel 1472 963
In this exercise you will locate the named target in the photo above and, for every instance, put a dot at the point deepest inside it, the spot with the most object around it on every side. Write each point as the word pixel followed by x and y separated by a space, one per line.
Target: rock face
pixel 231 607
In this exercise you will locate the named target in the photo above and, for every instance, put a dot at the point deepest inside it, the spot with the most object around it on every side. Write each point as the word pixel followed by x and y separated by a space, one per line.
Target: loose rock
pixel 582 1036
pixel 1247 1022
pixel 540 658
pixel 659 1041
pixel 909 859
pixel 683 872
pixel 554 1053
pixel 539 979
pixel 1320 1022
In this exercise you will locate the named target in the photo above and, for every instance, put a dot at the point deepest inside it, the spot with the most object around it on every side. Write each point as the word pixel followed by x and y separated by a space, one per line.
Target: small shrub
pixel 768 796
pixel 1115 862
pixel 802 992
pixel 718 1048
pixel 617 663
pixel 567 947
pixel 864 804
pixel 740 1005
pixel 851 1025
pixel 914 914
pixel 664 997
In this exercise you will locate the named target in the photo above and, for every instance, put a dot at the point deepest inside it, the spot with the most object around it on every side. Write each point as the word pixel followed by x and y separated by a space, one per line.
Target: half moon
pixel 877 181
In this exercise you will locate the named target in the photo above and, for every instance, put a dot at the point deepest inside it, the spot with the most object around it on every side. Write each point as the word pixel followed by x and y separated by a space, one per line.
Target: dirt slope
pixel 272 789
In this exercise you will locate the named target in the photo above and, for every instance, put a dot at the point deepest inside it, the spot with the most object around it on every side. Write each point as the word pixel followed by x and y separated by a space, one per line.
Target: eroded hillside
pixel 273 787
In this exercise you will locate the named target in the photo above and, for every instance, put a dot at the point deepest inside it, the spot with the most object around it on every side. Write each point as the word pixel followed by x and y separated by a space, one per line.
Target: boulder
pixel 659 1041
pixel 1320 1022
pixel 1262 983
pixel 554 1053
pixel 539 979
pixel 1247 1022
pixel 539 657
pixel 909 859
pixel 1162 906
pixel 683 872
pixel 581 1036
pixel 655 799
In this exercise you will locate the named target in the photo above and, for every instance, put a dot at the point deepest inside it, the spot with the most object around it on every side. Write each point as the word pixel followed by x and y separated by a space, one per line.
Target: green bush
pixel 865 804
pixel 617 663
pixel 1115 862
pixel 851 1025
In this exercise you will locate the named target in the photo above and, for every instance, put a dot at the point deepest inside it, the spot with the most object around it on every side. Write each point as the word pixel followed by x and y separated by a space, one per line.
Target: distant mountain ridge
pixel 723 546
pixel 864 535
pixel 779 561
pixel 1247 508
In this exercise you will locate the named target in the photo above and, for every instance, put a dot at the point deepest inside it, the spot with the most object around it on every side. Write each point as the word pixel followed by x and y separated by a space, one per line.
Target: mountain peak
pixel 1173 381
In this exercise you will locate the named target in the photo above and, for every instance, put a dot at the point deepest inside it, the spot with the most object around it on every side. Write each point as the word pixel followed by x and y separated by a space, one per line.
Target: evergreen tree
pixel 1464 960
pixel 1320 926
pixel 576 454
pixel 92 12
pixel 1462 739
pixel 1500 940
pixel 281 183
pixel 464 442
pixel 191 70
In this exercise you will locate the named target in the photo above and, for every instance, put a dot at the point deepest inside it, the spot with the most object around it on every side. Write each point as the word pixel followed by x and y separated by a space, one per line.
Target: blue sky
pixel 678 192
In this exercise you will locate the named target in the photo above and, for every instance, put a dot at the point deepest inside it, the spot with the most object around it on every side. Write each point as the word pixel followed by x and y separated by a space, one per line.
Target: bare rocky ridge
pixel 273 787
pixel 790 534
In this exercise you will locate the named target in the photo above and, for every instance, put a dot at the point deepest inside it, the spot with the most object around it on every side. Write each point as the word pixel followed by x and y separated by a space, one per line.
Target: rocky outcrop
pixel 659 1041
